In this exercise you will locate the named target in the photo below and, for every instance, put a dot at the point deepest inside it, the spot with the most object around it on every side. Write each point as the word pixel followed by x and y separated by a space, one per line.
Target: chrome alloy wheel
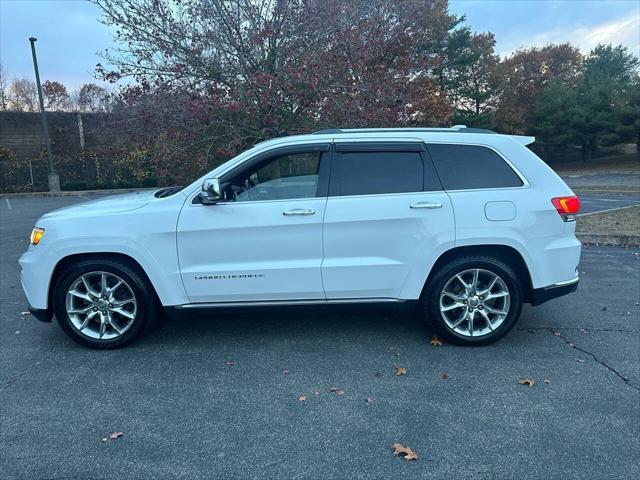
pixel 474 302
pixel 101 305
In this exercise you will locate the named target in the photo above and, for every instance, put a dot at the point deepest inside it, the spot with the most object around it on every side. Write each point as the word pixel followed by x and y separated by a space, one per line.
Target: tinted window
pixel 287 176
pixel 468 166
pixel 364 173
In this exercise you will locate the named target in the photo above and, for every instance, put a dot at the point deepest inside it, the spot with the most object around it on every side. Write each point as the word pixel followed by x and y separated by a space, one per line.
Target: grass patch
pixel 624 221
pixel 625 164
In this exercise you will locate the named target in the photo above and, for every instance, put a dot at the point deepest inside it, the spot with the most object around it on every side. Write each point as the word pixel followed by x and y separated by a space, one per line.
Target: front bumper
pixel 541 295
pixel 44 315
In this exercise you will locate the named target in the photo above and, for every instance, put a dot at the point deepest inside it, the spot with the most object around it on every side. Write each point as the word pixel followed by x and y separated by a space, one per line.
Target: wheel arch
pixel 78 257
pixel 506 253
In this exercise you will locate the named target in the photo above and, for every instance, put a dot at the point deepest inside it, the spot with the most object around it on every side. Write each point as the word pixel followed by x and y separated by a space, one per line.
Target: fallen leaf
pixel 302 398
pixel 104 439
pixel 115 435
pixel 397 354
pixel 333 389
pixel 317 393
pixel 445 376
pixel 285 371
pixel 547 381
pixel 557 334
pixel 25 313
pixel 230 363
pixel 340 392
pixel 369 400
pixel 580 360
pixel 400 371
pixel 406 451
pixel 436 341
pixel 527 381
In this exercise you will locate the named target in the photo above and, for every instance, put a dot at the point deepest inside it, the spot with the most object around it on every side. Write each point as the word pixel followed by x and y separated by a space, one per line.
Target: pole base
pixel 54 182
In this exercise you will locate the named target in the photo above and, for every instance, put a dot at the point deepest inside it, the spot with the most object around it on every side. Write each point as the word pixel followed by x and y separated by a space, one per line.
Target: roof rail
pixel 454 129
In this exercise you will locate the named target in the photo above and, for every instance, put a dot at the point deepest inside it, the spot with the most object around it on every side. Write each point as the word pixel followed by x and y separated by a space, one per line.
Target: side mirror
pixel 210 194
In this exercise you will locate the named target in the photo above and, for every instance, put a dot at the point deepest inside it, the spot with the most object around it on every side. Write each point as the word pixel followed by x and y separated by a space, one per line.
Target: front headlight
pixel 36 235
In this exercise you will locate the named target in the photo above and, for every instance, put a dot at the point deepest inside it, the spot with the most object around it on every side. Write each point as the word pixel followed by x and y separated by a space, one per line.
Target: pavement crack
pixel 17 377
pixel 556 333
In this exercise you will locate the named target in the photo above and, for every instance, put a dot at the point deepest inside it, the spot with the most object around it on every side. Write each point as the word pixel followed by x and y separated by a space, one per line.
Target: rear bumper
pixel 541 295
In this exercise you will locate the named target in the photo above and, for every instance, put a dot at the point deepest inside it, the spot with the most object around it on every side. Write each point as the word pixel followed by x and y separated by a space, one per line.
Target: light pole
pixel 54 179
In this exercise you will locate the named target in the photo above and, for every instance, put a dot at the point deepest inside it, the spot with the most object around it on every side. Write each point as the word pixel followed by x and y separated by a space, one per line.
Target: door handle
pixel 426 205
pixel 298 211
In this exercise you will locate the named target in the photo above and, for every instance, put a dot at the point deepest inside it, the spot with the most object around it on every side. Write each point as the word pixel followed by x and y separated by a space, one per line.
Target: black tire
pixel 430 302
pixel 146 301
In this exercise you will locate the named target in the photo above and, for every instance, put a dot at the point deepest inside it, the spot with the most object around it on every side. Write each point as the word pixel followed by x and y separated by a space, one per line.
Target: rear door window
pixel 372 169
pixel 465 167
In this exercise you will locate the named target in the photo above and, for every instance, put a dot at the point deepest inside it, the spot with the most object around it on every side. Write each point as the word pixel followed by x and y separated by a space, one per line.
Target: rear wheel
pixel 103 303
pixel 473 300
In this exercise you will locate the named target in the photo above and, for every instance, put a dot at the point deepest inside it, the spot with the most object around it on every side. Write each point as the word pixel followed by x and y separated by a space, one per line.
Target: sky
pixel 70 36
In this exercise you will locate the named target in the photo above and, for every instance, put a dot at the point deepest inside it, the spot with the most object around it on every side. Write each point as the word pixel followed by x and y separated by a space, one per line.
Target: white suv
pixel 467 223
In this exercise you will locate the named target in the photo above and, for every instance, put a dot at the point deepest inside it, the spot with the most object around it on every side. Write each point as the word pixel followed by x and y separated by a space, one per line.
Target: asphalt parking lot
pixel 597 201
pixel 219 397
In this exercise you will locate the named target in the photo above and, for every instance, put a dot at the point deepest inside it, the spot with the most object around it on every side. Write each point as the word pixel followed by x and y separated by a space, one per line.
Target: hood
pixel 105 205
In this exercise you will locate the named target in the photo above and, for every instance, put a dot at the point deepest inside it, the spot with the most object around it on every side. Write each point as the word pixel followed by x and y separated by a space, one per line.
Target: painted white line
pixel 8 203
pixel 605 211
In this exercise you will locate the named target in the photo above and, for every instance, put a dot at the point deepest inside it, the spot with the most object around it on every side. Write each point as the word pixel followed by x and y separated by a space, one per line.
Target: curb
pixel 607 239
pixel 74 193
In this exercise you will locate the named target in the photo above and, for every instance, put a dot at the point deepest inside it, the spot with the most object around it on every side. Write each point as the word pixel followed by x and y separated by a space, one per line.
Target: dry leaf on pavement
pixel 369 400
pixel 115 435
pixel 406 451
pixel 436 341
pixel 400 371
pixel 547 381
pixel 527 381
pixel 302 398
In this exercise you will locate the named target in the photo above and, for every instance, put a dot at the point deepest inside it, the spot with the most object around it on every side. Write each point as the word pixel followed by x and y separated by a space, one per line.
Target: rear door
pixel 386 212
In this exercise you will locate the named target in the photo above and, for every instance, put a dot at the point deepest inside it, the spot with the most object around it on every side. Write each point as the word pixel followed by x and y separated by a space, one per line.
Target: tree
pixel 23 95
pixel 92 98
pixel 55 96
pixel 234 72
pixel 524 76
pixel 600 110
pixel 4 83
pixel 474 85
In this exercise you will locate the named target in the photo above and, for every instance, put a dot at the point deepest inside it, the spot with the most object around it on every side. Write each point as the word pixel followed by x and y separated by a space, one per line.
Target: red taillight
pixel 566 205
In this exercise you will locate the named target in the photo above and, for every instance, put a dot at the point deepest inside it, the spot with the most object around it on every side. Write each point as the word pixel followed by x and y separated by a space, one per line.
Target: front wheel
pixel 103 303
pixel 473 300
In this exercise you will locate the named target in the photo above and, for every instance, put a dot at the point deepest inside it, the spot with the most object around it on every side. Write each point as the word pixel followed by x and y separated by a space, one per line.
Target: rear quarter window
pixel 464 167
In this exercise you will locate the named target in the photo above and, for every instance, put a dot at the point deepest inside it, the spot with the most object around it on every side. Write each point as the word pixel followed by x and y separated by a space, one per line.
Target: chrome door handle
pixel 298 211
pixel 426 205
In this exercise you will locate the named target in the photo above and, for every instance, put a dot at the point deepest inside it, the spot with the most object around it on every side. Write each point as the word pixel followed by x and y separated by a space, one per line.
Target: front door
pixel 263 242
